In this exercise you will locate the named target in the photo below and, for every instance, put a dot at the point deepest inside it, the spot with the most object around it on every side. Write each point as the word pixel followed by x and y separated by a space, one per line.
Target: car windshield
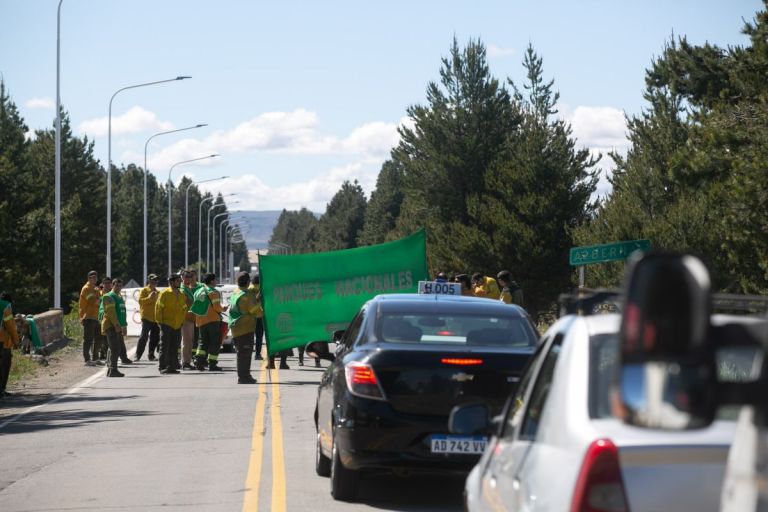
pixel 458 329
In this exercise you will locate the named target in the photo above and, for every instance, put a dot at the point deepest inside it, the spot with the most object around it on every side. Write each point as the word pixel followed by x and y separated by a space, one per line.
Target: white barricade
pixel 131 297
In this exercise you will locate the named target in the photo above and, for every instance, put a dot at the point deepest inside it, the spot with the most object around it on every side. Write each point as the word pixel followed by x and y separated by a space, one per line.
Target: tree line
pixel 499 181
pixel 27 215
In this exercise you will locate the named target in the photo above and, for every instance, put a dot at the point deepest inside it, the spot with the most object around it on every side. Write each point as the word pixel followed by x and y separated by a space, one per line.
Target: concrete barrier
pixel 50 327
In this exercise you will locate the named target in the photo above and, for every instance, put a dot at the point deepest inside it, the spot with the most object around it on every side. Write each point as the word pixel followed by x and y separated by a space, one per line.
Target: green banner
pixel 308 296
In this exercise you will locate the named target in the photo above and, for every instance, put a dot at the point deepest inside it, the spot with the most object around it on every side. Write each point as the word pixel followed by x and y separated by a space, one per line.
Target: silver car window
pixel 540 392
pixel 515 407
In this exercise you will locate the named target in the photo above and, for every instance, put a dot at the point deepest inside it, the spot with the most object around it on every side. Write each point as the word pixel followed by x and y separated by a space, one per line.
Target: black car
pixel 404 362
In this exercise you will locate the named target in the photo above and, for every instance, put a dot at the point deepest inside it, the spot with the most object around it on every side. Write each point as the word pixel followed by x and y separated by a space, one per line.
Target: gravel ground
pixel 65 369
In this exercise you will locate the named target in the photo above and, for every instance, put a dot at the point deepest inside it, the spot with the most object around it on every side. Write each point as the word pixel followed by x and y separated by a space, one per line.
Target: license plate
pixel 458 444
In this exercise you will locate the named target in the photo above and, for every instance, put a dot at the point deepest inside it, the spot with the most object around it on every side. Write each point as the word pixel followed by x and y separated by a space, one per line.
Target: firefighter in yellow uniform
pixel 149 328
pixel 484 286
pixel 89 318
pixel 242 321
pixel 170 310
pixel 208 310
pixel 114 324
pixel 9 339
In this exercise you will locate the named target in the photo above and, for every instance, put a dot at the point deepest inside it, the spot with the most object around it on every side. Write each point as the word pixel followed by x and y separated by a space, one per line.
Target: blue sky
pixel 299 96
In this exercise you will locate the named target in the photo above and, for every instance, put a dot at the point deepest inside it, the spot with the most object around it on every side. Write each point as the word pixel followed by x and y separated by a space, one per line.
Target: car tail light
pixel 456 361
pixel 362 381
pixel 600 487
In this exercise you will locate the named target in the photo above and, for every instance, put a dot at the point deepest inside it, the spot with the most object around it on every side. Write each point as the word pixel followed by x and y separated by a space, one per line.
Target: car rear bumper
pixel 371 435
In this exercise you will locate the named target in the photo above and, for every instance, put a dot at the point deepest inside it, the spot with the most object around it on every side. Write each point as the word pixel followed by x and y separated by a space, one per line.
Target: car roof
pixel 422 302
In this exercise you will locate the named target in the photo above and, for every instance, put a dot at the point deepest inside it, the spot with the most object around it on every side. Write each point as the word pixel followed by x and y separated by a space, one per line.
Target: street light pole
pixel 57 172
pixel 232 230
pixel 170 193
pixel 208 236
pixel 109 164
pixel 146 171
pixel 213 258
pixel 186 218
pixel 221 239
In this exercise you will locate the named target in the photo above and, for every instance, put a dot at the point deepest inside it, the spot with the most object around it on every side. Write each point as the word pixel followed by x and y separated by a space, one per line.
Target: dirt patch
pixel 64 369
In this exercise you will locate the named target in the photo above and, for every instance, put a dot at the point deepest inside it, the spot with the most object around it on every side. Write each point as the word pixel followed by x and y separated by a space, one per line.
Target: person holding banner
pixel 255 291
pixel 242 321
pixel 208 310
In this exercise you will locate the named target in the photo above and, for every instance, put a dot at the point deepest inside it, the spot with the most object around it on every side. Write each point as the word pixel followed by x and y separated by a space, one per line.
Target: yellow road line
pixel 278 458
pixel 252 481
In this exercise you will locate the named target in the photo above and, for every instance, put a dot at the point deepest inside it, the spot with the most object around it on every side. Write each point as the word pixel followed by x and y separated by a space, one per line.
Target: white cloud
pixel 497 51
pixel 44 103
pixel 254 194
pixel 601 129
pixel 137 119
pixel 30 135
pixel 296 133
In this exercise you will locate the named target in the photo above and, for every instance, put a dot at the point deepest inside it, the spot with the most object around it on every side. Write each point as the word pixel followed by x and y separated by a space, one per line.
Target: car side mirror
pixel 319 349
pixel 469 419
pixel 667 375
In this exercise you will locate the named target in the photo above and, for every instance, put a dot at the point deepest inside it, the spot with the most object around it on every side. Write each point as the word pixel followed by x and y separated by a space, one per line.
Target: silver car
pixel 558 447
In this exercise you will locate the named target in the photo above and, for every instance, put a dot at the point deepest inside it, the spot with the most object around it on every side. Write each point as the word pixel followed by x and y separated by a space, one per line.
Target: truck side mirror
pixel 667 375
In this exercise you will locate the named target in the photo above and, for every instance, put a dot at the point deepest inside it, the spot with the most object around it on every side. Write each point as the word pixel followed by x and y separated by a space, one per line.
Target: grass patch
pixel 22 367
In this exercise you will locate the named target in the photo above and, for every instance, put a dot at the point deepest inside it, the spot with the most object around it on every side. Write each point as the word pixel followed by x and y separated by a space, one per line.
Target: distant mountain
pixel 261 225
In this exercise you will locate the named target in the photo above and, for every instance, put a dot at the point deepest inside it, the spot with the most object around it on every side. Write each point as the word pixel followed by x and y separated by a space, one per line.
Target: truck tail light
pixel 362 381
pixel 600 487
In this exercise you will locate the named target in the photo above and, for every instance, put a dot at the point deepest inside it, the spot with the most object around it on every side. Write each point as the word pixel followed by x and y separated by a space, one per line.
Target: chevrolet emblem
pixel 462 377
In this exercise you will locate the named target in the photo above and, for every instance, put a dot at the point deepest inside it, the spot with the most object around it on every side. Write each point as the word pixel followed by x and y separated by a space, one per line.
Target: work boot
pixel 284 366
pixel 247 380
pixel 115 373
pixel 214 368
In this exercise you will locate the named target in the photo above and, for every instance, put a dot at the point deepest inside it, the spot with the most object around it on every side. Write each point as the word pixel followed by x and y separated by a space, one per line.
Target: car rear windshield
pixel 733 365
pixel 458 329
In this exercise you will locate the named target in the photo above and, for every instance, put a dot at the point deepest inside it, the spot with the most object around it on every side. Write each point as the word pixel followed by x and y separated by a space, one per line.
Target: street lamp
pixel 285 247
pixel 213 248
pixel 208 235
pixel 146 171
pixel 109 164
pixel 200 231
pixel 57 175
pixel 186 217
pixel 234 230
pixel 221 238
pixel 170 193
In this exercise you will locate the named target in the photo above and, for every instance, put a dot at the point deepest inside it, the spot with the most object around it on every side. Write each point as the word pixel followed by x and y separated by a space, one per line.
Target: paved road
pixel 194 441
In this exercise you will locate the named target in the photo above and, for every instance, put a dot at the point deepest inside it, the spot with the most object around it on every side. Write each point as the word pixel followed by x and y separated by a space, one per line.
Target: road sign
pixel 606 252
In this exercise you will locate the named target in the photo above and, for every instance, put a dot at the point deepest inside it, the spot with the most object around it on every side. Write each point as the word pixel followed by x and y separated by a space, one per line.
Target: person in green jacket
pixel 114 324
pixel 243 312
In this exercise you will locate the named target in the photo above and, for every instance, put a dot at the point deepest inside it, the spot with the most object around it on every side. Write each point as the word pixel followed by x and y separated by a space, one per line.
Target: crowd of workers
pixel 182 327
pixel 502 288
pixel 184 324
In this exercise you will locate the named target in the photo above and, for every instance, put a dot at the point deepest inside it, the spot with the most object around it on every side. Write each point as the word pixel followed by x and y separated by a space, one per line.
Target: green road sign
pixel 606 252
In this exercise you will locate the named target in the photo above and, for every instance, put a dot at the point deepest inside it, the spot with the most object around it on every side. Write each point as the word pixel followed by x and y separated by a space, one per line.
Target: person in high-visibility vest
pixel 208 310
pixel 254 289
pixel 89 313
pixel 170 310
pixel 486 287
pixel 243 312
pixel 190 334
pixel 149 328
pixel 114 323
pixel 9 339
